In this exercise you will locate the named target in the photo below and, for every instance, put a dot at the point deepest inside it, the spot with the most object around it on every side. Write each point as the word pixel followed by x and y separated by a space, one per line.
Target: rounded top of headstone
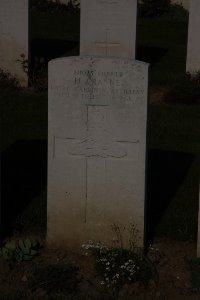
pixel 98 59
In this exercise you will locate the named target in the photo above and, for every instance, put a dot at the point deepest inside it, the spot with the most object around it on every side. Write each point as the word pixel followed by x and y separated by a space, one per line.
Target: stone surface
pixel 198 238
pixel 14 37
pixel 96 149
pixel 193 47
pixel 108 28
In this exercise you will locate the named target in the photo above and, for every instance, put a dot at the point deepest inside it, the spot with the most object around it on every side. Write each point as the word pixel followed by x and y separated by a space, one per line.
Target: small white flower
pixel 102 282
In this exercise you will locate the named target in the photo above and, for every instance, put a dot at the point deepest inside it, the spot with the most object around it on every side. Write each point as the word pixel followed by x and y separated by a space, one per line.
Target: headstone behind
pixel 193 47
pixel 97 146
pixel 108 28
pixel 14 37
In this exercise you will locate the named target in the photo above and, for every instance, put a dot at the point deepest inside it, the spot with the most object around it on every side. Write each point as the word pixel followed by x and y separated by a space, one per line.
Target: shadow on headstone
pixel 151 55
pixel 24 176
pixel 166 170
pixel 52 48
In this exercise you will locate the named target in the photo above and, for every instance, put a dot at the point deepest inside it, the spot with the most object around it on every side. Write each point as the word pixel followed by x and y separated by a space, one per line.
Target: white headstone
pixel 108 28
pixel 193 47
pixel 97 146
pixel 14 37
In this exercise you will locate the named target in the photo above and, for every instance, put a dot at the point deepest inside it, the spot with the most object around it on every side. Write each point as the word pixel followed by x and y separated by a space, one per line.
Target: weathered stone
pixel 198 238
pixel 97 146
pixel 108 28
pixel 14 37
pixel 193 47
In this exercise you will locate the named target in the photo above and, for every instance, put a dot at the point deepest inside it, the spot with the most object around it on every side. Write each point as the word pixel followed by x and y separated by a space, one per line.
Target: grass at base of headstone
pixel 174 165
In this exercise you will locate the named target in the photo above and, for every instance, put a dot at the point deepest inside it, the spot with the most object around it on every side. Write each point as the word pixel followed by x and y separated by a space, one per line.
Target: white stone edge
pixel 110 58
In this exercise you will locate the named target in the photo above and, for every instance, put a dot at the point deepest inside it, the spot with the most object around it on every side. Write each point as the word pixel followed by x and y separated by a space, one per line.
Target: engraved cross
pixel 107 44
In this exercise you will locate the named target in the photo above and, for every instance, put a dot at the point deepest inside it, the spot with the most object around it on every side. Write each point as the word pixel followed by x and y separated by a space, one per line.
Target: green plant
pixel 119 231
pixel 36 72
pixel 7 252
pixel 23 250
pixel 119 265
pixel 26 250
pixel 8 81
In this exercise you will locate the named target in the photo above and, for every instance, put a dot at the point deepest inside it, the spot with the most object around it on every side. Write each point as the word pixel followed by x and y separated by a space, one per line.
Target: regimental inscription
pixel 94 85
